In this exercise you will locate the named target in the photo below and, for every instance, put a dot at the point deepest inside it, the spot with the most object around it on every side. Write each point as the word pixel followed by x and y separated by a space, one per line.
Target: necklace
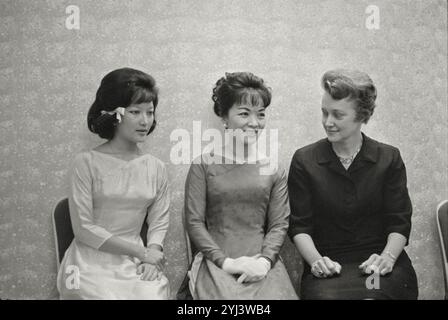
pixel 347 161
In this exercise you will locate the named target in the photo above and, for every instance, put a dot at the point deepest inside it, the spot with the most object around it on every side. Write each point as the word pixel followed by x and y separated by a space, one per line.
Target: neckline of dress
pixel 116 158
pixel 257 158
pixel 241 162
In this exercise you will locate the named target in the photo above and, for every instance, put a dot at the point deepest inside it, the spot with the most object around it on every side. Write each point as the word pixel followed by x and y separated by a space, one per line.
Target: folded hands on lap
pixel 326 268
pixel 250 269
pixel 149 272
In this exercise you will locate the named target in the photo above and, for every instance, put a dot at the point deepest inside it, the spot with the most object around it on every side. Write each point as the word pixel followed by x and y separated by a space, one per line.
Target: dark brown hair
pixel 120 88
pixel 239 88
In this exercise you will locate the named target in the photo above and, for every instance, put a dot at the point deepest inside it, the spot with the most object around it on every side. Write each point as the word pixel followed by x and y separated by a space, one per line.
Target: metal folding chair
pixel 442 227
pixel 63 232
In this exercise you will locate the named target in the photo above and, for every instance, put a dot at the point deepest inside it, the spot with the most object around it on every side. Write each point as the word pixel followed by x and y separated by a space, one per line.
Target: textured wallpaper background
pixel 49 75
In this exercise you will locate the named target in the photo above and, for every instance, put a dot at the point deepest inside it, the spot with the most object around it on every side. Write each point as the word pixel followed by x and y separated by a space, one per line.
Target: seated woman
pixel 236 212
pixel 113 188
pixel 350 207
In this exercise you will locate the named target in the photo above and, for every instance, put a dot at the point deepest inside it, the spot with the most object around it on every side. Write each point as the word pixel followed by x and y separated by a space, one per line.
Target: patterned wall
pixel 49 75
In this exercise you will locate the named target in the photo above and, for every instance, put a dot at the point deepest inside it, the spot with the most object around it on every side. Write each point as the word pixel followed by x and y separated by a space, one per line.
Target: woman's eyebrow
pixel 331 109
pixel 151 107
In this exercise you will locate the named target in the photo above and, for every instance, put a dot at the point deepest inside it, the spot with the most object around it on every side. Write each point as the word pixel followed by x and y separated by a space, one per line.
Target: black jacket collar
pixel 368 153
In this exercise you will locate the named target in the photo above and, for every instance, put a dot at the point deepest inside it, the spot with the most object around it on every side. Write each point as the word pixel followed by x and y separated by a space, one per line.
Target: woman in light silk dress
pixel 236 205
pixel 113 189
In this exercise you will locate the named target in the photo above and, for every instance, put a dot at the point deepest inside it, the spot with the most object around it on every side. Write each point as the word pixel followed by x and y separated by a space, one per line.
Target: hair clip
pixel 117 111
pixel 329 83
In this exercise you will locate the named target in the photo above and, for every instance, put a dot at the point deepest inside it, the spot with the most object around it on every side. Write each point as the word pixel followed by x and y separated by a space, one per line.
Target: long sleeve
pixel 277 219
pixel 397 204
pixel 158 212
pixel 195 209
pixel 301 218
pixel 81 205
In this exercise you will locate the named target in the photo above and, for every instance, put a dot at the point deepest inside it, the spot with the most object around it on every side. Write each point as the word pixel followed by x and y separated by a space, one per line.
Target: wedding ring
pixel 317 272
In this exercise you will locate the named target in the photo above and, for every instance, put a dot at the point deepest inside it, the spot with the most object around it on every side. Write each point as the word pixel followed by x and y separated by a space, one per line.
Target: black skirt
pixel 352 284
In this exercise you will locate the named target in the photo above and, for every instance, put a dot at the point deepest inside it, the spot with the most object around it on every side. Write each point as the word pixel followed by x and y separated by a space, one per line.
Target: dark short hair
pixel 239 88
pixel 120 88
pixel 354 85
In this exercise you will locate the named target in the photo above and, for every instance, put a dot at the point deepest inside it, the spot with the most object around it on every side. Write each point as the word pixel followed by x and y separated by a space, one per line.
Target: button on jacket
pixel 345 210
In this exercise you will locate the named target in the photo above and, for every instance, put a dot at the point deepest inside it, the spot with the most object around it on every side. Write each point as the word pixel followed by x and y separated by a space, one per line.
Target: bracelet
pixel 145 254
pixel 267 262
pixel 390 255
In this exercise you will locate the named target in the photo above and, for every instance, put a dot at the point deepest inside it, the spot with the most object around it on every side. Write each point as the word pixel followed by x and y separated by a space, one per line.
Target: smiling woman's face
pixel 248 118
pixel 339 118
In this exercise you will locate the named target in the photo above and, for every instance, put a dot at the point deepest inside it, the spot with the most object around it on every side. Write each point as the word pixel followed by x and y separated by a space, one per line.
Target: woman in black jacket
pixel 350 207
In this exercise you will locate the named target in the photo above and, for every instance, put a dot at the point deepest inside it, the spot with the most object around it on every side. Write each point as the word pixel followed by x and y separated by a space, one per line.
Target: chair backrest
pixel 63 231
pixel 442 226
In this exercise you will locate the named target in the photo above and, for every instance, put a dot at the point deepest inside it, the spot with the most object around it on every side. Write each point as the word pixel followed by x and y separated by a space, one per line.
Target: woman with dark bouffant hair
pixel 236 213
pixel 113 189
pixel 350 207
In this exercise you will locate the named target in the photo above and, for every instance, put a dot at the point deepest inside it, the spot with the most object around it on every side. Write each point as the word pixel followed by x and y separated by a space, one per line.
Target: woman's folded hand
pixel 232 266
pixel 382 264
pixel 255 270
pixel 149 272
pixel 325 267
pixel 250 269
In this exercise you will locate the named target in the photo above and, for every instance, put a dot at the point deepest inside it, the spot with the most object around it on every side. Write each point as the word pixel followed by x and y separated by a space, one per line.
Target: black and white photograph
pixel 244 150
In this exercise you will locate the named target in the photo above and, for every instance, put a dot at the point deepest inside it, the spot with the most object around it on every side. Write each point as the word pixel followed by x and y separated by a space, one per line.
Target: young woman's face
pixel 136 122
pixel 250 119
pixel 339 118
